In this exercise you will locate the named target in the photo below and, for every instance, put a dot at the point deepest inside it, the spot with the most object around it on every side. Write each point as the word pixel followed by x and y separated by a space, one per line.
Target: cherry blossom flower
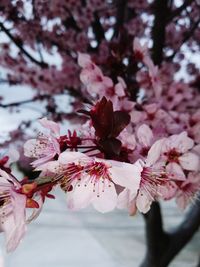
pixel 187 190
pixel 12 155
pixel 145 138
pixel 150 180
pixel 46 146
pixel 92 180
pixel 12 211
pixel 176 152
pixel 141 51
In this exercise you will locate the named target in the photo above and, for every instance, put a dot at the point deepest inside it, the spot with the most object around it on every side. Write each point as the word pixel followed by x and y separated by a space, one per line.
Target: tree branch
pixel 185 230
pixel 98 29
pixel 162 247
pixel 21 48
pixel 157 240
pixel 185 39
pixel 178 11
pixel 19 103
pixel 161 11
pixel 121 5
pixel 198 265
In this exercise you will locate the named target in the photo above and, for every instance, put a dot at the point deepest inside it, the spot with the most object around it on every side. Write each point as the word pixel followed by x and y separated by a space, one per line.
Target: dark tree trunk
pixel 163 246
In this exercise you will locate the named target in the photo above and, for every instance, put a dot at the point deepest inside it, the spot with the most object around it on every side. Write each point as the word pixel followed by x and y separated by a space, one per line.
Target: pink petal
pixel 123 199
pixel 13 234
pixel 51 166
pixel 81 195
pixel 41 161
pixel 189 161
pixel 126 175
pixel 143 201
pixel 175 169
pixel 168 191
pixel 145 135
pixel 155 152
pixel 84 60
pixel 182 142
pixel 71 157
pixel 107 199
pixel 29 147
pixel 132 208
pixel 182 201
pixel 51 125
pixel 14 225
pixel 126 200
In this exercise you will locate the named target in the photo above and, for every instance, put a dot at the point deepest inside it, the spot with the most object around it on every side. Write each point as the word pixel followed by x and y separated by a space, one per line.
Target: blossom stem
pixel 83 147
pixel 89 150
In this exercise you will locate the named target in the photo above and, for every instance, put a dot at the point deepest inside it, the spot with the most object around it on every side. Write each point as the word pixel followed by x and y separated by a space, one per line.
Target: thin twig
pixel 19 103
pixel 185 39
pixel 178 11
pixel 21 48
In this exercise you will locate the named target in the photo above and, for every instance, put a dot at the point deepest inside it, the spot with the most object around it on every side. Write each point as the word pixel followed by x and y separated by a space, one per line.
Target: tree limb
pixel 178 10
pixel 163 246
pixel 185 230
pixel 98 29
pixel 198 265
pixel 121 5
pixel 157 240
pixel 19 103
pixel 185 39
pixel 21 48
pixel 161 11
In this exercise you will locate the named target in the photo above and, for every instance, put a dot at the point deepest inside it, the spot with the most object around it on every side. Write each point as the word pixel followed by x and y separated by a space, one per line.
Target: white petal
pixel 126 200
pixel 83 60
pixel 143 201
pixel 145 135
pixel 182 142
pixel 14 233
pixel 189 161
pixel 51 125
pixel 127 175
pixel 71 157
pixel 106 200
pixel 29 147
pixel 81 196
pixel 123 199
pixel 155 152
pixel 14 225
pixel 175 169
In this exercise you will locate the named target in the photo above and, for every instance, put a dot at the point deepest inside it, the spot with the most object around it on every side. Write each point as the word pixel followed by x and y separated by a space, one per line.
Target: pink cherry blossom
pixel 12 211
pixel 46 146
pixel 175 151
pixel 145 137
pixel 141 51
pixel 153 177
pixel 92 180
pixel 188 190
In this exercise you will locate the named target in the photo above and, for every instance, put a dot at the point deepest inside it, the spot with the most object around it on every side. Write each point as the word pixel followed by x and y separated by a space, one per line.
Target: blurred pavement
pixel 60 238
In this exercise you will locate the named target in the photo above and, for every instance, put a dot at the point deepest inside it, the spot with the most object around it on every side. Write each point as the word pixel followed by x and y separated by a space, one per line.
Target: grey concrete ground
pixel 60 238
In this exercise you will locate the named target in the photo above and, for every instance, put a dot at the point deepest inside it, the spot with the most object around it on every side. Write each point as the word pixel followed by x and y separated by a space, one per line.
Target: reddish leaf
pixel 121 120
pixel 110 146
pixel 102 118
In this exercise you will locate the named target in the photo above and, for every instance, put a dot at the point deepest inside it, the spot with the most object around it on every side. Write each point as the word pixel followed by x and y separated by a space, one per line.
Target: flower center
pixel 98 170
pixel 73 172
pixel 173 155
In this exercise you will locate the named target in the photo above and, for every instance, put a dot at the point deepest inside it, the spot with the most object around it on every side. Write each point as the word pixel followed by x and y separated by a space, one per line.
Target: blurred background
pixel 60 238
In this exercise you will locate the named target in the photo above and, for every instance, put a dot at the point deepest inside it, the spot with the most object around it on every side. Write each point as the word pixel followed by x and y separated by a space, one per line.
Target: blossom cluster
pixel 126 155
